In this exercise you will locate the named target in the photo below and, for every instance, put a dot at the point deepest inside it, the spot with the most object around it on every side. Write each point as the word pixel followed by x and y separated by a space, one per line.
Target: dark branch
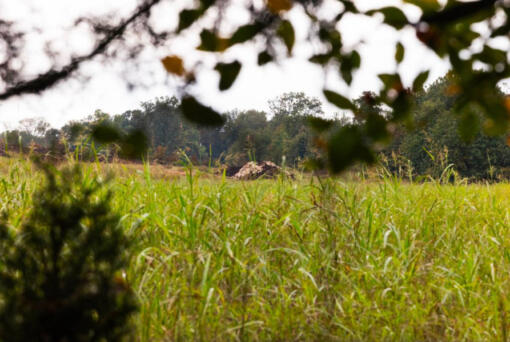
pixel 51 77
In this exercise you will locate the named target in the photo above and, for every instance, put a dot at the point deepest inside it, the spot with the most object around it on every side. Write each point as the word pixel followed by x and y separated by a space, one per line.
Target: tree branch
pixel 51 77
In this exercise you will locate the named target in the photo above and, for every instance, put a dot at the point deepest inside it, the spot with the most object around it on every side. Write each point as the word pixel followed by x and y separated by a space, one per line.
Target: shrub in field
pixel 60 271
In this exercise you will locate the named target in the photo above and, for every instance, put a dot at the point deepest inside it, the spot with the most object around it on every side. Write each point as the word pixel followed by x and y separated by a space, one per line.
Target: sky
pixel 106 87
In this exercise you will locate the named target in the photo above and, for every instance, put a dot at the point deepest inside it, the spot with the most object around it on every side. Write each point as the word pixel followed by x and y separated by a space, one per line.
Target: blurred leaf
pixel 339 100
pixel 277 6
pixel 196 112
pixel 312 164
pixel 331 37
pixel 393 16
pixel 349 6
pixel 187 17
pixel 355 59
pixel 346 147
pixel 134 145
pixel 349 63
pixel 402 105
pixel 456 10
pixel 399 53
pixel 502 30
pixel 346 71
pixel 420 80
pixel 263 58
pixel 212 43
pixel 105 133
pixel 228 73
pixel 468 124
pixel 321 58
pixel 425 5
pixel 491 56
pixel 245 33
pixel 320 124
pixel 286 32
pixel 391 81
pixel 376 127
pixel 174 65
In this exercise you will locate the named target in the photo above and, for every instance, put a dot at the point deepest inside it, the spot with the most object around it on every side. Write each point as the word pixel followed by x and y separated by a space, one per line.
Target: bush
pixel 60 272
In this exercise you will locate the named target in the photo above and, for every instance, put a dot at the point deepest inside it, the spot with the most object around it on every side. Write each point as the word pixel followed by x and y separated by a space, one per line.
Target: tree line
pixel 285 134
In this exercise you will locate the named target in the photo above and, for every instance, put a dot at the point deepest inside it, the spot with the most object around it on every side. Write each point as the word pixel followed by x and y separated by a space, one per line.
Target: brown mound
pixel 252 170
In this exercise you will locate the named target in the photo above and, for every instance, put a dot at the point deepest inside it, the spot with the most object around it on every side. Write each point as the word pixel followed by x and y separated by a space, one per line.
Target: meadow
pixel 309 259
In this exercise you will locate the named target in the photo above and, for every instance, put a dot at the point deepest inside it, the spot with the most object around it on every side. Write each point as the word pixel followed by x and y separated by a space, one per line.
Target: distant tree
pixel 295 104
pixel 439 135
pixel 34 126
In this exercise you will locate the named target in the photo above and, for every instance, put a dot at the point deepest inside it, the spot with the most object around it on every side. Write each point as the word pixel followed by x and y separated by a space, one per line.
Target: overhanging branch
pixel 51 77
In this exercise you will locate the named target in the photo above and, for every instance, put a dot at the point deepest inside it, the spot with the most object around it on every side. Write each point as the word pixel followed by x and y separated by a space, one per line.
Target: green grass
pixel 219 260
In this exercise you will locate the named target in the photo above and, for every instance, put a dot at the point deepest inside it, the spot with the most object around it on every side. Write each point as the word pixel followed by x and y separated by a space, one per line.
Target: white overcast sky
pixel 106 88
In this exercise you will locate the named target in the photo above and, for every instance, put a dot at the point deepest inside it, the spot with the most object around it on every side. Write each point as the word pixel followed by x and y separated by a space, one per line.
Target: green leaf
pixel 105 133
pixel 399 53
pixel 376 127
pixel 187 17
pixel 390 80
pixel 134 145
pixel 228 73
pixel 196 112
pixel 349 63
pixel 402 106
pixel 355 59
pixel 502 30
pixel 321 58
pixel 245 33
pixel 425 5
pixel 420 80
pixel 286 32
pixel 346 71
pixel 393 16
pixel 264 57
pixel 347 146
pixel 468 124
pixel 458 11
pixel 320 124
pixel 491 56
pixel 210 42
pixel 339 100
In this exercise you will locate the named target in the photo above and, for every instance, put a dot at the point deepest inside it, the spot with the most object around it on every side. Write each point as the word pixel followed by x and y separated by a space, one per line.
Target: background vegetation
pixel 432 140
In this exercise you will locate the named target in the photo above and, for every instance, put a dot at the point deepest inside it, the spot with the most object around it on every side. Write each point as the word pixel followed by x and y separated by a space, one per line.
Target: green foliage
pixel 456 139
pixel 464 33
pixel 61 271
pixel 448 30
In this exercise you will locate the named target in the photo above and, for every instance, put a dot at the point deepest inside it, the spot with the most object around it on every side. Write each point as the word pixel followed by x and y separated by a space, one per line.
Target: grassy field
pixel 306 260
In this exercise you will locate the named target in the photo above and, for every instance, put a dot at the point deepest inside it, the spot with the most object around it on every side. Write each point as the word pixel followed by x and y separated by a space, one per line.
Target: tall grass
pixel 307 259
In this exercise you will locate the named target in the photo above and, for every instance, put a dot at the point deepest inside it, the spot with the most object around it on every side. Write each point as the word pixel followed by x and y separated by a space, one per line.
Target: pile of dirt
pixel 252 170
